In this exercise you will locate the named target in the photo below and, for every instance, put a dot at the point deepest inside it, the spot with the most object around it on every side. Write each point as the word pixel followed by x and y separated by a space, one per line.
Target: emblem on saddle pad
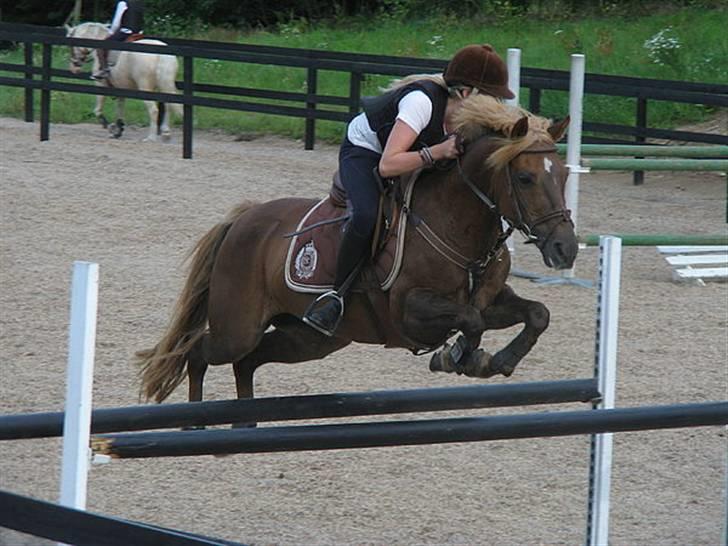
pixel 306 260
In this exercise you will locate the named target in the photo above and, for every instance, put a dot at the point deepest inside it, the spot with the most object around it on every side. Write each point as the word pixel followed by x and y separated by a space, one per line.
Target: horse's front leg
pixel 507 310
pixel 117 128
pixel 153 112
pixel 99 111
pixel 430 318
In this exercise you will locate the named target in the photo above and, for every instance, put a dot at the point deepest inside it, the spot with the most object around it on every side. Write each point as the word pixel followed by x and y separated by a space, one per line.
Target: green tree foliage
pixel 263 13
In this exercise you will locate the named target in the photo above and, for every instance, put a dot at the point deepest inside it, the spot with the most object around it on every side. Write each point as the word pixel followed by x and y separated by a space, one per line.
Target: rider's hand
pixel 447 149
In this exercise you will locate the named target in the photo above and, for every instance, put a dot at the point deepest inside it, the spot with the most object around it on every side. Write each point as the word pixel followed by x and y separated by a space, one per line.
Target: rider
pixel 128 19
pixel 400 131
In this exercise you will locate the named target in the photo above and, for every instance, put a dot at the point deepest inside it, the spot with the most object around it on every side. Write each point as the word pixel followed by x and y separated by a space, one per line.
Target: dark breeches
pixel 356 167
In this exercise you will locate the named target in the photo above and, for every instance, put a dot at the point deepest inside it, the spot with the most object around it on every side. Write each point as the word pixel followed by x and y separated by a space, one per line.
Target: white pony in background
pixel 129 70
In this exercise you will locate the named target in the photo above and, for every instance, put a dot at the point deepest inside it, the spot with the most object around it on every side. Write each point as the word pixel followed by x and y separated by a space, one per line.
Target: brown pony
pixel 236 306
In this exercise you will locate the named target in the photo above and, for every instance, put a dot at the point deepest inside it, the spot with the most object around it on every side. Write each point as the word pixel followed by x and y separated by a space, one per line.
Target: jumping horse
pixel 236 307
pixel 129 70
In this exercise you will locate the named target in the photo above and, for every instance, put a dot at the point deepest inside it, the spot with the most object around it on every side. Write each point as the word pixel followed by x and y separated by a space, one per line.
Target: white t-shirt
pixel 415 109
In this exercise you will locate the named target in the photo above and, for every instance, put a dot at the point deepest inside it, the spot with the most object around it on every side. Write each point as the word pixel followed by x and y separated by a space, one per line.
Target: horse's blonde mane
pixel 482 113
pixel 396 84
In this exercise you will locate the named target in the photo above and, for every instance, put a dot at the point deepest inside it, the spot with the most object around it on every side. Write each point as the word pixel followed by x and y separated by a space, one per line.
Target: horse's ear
pixel 558 129
pixel 68 30
pixel 520 129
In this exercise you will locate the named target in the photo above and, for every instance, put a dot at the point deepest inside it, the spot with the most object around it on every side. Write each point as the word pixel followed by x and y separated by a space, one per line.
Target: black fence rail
pixel 313 106
pixel 80 528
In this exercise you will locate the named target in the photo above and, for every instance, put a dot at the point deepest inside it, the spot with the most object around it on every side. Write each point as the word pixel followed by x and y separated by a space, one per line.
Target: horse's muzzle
pixel 560 249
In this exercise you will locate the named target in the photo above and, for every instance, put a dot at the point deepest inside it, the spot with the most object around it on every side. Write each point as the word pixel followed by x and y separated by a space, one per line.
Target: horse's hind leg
pixel 291 341
pixel 507 310
pixel 163 122
pixel 196 368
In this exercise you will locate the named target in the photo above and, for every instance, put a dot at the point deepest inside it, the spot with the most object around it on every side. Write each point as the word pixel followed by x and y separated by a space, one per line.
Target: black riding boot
pixel 325 313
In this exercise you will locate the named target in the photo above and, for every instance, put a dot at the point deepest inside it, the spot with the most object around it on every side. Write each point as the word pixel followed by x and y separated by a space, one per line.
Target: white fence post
pixel 79 386
pixel 605 371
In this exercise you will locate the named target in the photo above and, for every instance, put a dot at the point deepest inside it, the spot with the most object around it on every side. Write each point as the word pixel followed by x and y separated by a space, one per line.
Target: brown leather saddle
pixel 134 37
pixel 112 55
pixel 311 260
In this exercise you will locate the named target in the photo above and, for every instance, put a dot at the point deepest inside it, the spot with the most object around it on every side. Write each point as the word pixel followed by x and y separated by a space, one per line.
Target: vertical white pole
pixel 605 370
pixel 573 143
pixel 79 386
pixel 513 60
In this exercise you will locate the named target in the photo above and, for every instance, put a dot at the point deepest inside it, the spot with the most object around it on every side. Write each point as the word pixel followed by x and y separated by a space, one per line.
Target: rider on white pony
pixel 128 19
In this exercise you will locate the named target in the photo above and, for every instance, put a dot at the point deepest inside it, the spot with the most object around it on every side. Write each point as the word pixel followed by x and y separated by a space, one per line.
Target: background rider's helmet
pixel 479 66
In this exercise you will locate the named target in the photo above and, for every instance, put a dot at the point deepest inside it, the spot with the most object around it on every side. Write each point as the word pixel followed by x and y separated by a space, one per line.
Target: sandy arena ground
pixel 136 208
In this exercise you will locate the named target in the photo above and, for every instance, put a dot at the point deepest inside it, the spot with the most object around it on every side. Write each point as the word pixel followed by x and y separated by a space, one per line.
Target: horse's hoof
pixel 441 361
pixel 500 366
pixel 116 129
pixel 166 137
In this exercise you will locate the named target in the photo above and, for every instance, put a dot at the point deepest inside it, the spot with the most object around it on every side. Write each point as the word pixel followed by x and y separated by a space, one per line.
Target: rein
pixel 477 267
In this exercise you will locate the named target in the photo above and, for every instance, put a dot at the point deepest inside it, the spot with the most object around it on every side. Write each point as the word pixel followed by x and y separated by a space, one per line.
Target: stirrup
pixel 318 327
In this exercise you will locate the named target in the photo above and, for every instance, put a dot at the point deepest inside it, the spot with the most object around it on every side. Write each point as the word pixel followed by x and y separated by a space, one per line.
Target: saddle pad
pixel 311 259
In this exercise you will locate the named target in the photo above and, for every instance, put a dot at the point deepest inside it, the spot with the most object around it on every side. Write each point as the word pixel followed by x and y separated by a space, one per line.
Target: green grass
pixel 612 45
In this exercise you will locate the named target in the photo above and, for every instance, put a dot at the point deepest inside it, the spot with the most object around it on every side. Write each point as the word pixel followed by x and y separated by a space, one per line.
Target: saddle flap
pixel 311 260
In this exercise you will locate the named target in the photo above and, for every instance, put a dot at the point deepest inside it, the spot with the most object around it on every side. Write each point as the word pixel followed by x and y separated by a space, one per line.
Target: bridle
pixel 78 62
pixel 521 223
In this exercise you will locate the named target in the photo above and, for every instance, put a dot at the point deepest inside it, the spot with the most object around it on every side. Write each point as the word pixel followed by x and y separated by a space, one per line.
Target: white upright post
pixel 513 60
pixel 605 371
pixel 573 143
pixel 77 421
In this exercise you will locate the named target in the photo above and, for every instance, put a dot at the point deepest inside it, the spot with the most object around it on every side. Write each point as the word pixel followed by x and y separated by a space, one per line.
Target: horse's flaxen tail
pixel 162 368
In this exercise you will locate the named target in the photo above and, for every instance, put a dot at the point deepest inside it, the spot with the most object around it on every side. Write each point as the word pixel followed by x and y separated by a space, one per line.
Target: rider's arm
pixel 121 7
pixel 415 111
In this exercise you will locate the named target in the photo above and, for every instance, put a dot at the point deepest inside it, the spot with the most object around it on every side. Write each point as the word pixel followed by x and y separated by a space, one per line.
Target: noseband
pixel 520 224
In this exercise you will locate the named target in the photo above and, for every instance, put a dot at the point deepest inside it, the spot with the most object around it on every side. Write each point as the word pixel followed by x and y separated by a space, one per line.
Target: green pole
pixel 719 152
pixel 643 239
pixel 655 164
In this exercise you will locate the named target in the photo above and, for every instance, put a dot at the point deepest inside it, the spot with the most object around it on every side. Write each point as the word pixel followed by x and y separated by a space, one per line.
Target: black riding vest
pixel 133 17
pixel 382 112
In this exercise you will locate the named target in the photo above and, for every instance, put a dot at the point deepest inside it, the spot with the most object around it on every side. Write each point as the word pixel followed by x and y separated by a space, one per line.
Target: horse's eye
pixel 525 178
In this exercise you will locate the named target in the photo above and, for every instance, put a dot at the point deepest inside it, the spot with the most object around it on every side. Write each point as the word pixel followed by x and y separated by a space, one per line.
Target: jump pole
pixel 573 143
pixel 407 433
pixel 79 385
pixel 513 60
pixel 651 150
pixel 317 406
pixel 643 239
pixel 605 372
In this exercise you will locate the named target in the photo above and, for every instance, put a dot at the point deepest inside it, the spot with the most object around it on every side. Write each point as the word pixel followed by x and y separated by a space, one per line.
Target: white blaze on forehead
pixel 547 164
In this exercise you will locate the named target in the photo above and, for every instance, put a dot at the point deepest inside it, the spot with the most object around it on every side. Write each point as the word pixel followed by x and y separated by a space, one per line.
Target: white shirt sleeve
pixel 415 109
pixel 121 7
